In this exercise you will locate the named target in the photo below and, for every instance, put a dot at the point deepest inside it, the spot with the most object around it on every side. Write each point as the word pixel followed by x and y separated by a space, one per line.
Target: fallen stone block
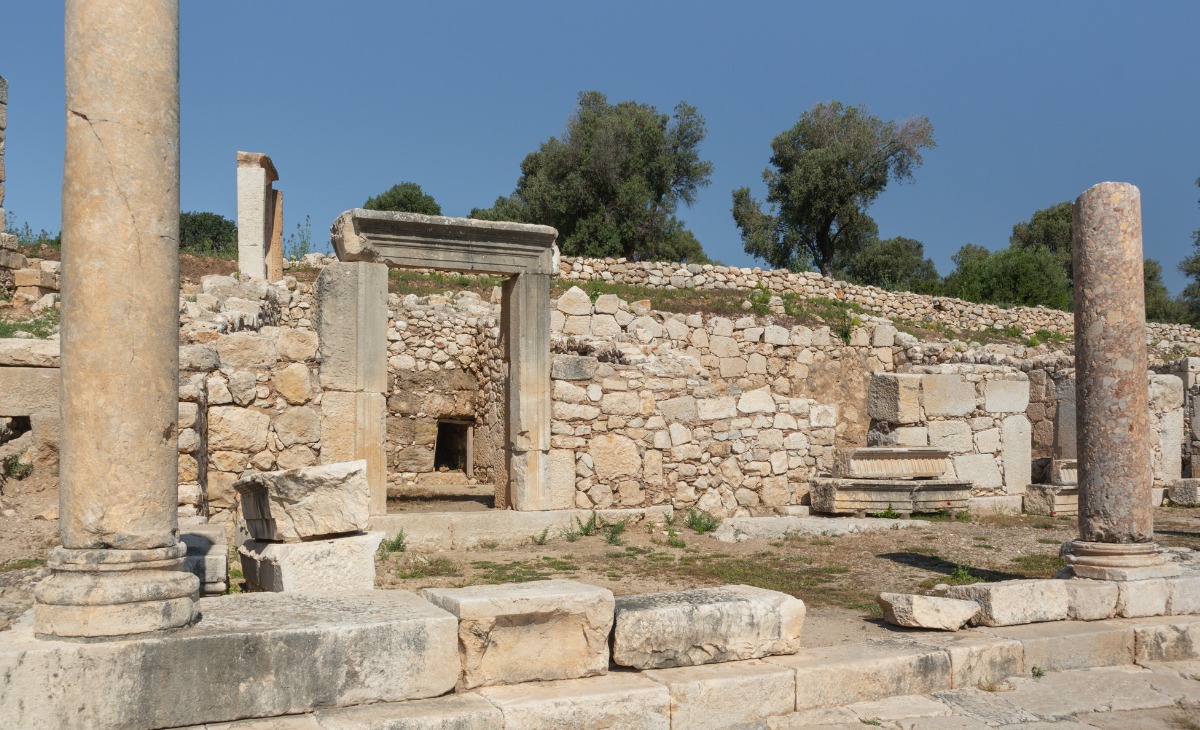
pixel 1185 492
pixel 841 675
pixel 1016 601
pixel 727 695
pixel 625 701
pixel 249 655
pixel 1066 645
pixel 1091 600
pixel 318 566
pixel 926 612
pixel 704 626
pixel 309 502
pixel 453 712
pixel 523 632
pixel 1167 640
pixel 207 557
pixel 1051 500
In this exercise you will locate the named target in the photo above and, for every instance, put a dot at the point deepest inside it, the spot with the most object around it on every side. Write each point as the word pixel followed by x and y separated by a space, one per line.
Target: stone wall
pixel 976 412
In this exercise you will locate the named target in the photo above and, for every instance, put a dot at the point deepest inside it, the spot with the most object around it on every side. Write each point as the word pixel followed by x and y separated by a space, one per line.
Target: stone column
pixel 1116 521
pixel 255 173
pixel 275 247
pixel 117 571
pixel 527 334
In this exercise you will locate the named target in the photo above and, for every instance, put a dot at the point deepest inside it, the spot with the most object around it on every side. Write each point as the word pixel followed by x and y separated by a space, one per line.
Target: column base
pixel 114 593
pixel 1118 561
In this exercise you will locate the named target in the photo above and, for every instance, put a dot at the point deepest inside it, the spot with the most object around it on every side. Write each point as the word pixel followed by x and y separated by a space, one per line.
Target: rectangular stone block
pixel 626 701
pixel 318 566
pixel 34 277
pixel 1051 500
pixel 305 503
pixel 207 557
pixel 705 625
pixel 883 462
pixel 1016 453
pixel 1016 601
pixel 453 712
pixel 250 655
pixel 353 427
pixel 1064 645
pixel 727 695
pixel 25 391
pixel 979 469
pixel 1183 595
pixel 1006 396
pixel 1185 492
pixel 841 675
pixel 352 326
pixel 1091 600
pixel 524 632
pixel 1064 472
pixel 894 398
pixel 979 660
pixel 947 395
pixel 1166 640
pixel 1137 598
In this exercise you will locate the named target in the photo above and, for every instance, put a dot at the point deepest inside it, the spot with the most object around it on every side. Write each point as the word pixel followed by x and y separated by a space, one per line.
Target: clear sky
pixel 1032 102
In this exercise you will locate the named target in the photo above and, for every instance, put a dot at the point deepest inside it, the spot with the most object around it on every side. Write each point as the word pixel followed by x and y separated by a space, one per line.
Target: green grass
pixel 22 564
pixel 1039 565
pixel 702 521
pixel 401 282
pixel 540 539
pixel 1049 541
pixel 613 532
pixel 396 544
pixel 12 468
pixel 841 317
pixel 522 571
pixel 438 567
pixel 41 326
pixel 888 513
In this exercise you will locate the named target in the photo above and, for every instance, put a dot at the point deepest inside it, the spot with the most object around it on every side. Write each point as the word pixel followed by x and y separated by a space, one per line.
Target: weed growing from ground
pixel 396 544
pixel 888 513
pixel 438 567
pixel 613 532
pixel 702 521
pixel 540 539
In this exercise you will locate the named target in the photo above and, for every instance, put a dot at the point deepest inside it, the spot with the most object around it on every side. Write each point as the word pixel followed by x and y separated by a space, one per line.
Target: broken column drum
pixel 523 253
pixel 118 569
pixel 1116 520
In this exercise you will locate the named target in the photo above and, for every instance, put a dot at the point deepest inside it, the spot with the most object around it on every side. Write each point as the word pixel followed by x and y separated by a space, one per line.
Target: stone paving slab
pixel 1062 645
pixel 453 712
pixel 725 695
pixel 1061 695
pixel 739 529
pixel 626 701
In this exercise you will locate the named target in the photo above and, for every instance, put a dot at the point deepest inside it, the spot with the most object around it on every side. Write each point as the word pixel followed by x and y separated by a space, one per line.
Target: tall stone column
pixel 255 174
pixel 527 333
pixel 117 571
pixel 1116 520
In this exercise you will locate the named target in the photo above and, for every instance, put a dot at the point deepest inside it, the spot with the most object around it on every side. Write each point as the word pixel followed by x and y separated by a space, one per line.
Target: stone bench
pixel 873 496
pixel 704 626
pixel 544 630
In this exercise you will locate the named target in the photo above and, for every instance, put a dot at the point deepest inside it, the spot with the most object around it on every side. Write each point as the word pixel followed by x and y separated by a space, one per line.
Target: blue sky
pixel 1031 102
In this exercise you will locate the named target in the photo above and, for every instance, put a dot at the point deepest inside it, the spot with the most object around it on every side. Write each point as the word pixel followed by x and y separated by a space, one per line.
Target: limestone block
pixel 682 408
pixel 841 675
pixel 334 650
pixel 351 324
pixel 575 301
pixel 198 358
pixel 1091 600
pixel 979 660
pixel 1017 454
pixel 894 397
pixel 1006 396
pixel 889 463
pixel 756 401
pixel 562 479
pixel 625 701
pixel 727 695
pixel 248 349
pixel 607 304
pixel 237 429
pixel 300 504
pixel 336 565
pixel 1061 646
pixel 523 632
pixel 1064 472
pixel 1016 601
pixel 622 403
pixel 911 436
pixel 298 426
pixel 207 557
pixel 1185 492
pixel 1142 598
pixel 614 456
pixel 926 612
pixel 293 383
pixel 573 367
pixel 947 395
pixel 1183 595
pixel 1172 640
pixel 297 345
pixel 952 436
pixel 29 353
pixel 1051 500
pixel 979 469
pixel 24 391
pixel 712 409
pixel 1168 462
pixel 705 625
pixel 354 426
pixel 466 711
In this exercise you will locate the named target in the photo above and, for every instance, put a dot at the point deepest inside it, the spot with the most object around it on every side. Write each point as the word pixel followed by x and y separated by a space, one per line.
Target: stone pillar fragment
pixel 527 337
pixel 118 569
pixel 255 173
pixel 275 247
pixel 1116 521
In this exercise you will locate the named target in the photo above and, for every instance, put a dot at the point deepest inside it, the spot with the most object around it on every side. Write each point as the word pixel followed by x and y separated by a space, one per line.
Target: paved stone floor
pixel 1162 696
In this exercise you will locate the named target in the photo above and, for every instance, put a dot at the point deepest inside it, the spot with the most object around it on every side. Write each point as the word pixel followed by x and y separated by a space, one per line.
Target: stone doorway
pixel 368 242
pixel 452 447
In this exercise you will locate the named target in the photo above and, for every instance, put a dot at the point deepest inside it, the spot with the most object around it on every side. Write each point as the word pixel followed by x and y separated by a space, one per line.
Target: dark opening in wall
pixel 452 449
pixel 13 427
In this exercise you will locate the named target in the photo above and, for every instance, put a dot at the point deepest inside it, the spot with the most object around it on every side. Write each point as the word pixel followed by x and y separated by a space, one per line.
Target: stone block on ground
pixel 250 655
pixel 926 612
pixel 1171 639
pixel 625 701
pixel 1185 492
pixel 1183 595
pixel 1016 601
pixel 466 711
pixel 306 503
pixel 1051 500
pixel 883 462
pixel 978 659
pixel 841 675
pixel 207 557
pixel 317 566
pixel 1063 645
pixel 727 695
pixel 947 395
pixel 739 529
pixel 1091 600
pixel 523 632
pixel 705 625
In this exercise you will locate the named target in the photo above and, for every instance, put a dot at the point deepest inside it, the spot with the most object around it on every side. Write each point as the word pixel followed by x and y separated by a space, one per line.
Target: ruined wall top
pixel 258 159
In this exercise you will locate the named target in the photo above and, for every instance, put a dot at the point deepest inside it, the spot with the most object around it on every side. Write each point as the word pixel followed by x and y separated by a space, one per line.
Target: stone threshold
pixel 755 691
pixel 502 528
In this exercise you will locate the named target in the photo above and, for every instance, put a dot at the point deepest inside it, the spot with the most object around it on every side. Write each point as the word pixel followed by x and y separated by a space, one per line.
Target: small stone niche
pixel 452 449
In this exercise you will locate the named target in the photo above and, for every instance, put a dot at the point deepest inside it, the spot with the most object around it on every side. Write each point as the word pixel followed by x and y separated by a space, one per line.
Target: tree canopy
pixel 896 264
pixel 1013 276
pixel 826 171
pixel 1190 266
pixel 613 182
pixel 407 197
pixel 1049 228
pixel 207 234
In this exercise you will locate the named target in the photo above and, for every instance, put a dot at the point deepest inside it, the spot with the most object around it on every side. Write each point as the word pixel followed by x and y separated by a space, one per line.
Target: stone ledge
pixel 626 701
pixel 251 655
pixel 1062 645
pixel 505 528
